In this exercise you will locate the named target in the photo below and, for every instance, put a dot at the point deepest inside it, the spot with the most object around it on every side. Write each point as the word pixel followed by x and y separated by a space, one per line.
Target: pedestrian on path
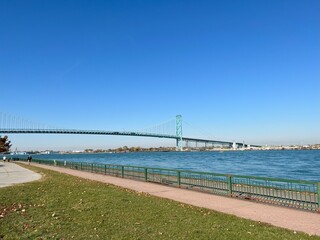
pixel 4 158
pixel 29 159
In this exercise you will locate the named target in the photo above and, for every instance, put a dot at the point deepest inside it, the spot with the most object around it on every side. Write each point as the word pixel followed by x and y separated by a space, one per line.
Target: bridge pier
pixel 179 133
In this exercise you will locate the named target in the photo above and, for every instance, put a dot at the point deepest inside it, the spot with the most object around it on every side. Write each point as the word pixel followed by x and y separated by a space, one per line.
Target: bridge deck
pixel 119 133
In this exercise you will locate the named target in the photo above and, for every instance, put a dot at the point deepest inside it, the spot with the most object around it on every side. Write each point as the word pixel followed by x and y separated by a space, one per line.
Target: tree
pixel 5 144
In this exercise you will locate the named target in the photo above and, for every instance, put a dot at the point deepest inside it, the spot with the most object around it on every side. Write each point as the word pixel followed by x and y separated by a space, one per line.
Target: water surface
pixel 301 165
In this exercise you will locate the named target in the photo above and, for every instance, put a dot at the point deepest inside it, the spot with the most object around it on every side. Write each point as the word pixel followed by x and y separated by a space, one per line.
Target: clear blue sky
pixel 236 70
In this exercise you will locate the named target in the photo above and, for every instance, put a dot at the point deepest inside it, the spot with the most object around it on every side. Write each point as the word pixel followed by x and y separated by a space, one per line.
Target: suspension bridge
pixel 171 130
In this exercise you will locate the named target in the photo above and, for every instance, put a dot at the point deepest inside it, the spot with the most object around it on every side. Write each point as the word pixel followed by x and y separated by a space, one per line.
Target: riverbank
pixel 208 224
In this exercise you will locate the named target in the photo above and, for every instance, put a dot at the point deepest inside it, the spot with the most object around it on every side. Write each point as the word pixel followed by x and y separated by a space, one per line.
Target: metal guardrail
pixel 290 193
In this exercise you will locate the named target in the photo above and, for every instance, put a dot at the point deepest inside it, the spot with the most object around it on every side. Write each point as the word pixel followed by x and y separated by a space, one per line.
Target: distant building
pixel 234 146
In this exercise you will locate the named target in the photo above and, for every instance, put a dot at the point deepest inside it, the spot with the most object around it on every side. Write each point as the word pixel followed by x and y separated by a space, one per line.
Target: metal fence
pixel 290 193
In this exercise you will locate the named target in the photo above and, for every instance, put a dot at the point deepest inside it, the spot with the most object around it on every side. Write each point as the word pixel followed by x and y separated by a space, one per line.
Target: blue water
pixel 300 165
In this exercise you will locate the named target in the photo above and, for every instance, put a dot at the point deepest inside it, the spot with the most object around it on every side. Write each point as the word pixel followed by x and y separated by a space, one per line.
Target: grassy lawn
pixel 65 207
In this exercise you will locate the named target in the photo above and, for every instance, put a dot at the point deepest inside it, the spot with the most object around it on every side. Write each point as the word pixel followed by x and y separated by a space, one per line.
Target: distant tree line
pixel 130 149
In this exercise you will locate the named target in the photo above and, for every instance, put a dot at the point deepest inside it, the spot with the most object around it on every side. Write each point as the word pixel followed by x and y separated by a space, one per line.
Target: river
pixel 295 164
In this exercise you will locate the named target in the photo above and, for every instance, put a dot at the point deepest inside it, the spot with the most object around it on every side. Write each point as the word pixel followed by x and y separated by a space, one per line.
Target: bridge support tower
pixel 179 132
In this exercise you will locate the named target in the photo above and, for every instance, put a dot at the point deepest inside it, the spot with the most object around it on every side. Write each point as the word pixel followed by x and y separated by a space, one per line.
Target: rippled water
pixel 301 165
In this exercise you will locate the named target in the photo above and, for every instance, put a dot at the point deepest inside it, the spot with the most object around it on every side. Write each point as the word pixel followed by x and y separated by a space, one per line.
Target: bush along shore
pixel 65 207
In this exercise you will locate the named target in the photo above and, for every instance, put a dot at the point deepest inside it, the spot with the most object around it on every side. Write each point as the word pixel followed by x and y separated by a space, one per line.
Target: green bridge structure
pixel 14 125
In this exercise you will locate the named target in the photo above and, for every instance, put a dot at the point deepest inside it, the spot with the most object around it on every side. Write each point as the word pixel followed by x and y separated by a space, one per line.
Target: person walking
pixel 29 159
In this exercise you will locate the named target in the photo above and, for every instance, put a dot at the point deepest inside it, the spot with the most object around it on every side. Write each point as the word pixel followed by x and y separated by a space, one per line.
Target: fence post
pixel 91 167
pixel 229 183
pixel 179 178
pixel 122 171
pixel 318 188
pixel 146 174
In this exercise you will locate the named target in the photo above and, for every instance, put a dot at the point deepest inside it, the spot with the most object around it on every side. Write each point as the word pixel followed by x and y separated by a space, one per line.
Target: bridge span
pixel 120 133
pixel 177 136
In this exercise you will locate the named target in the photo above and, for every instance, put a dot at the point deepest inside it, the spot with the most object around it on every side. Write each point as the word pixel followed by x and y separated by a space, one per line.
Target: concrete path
pixel 295 220
pixel 11 173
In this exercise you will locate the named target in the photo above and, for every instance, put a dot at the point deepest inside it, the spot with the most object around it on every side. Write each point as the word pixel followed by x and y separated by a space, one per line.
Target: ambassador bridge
pixel 171 129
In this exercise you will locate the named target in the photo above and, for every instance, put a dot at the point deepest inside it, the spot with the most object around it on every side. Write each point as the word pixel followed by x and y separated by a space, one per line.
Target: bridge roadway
pixel 119 133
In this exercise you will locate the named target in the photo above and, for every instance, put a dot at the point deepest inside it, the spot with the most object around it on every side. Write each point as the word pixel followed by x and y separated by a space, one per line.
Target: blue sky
pixel 236 70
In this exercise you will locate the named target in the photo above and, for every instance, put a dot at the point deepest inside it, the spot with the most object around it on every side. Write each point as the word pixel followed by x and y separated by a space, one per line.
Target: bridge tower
pixel 179 132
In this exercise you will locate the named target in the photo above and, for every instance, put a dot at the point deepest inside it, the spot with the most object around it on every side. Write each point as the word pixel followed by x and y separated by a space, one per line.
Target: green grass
pixel 65 207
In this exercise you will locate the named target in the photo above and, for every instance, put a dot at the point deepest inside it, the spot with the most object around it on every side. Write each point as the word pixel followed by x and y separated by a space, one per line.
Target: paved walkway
pixel 295 220
pixel 11 173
